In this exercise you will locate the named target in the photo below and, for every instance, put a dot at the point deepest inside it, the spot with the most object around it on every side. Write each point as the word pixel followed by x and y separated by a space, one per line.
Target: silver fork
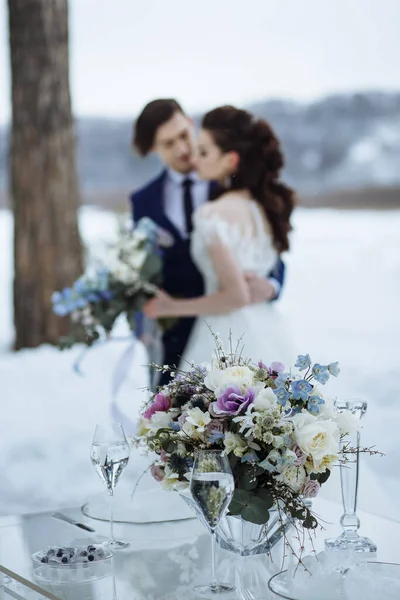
pixel 246 594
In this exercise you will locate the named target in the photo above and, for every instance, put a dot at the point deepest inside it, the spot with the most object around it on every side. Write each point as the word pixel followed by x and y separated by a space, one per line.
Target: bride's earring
pixel 228 181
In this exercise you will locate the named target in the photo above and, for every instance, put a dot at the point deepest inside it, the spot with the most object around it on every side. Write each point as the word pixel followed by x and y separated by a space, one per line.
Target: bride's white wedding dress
pixel 261 326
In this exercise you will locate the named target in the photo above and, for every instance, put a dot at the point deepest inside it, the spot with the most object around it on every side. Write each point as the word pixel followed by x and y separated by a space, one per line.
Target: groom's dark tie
pixel 188 203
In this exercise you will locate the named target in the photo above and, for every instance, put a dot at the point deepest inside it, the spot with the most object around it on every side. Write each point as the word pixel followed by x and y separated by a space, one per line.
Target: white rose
pixel 347 422
pixel 294 477
pixel 234 443
pixel 316 437
pixel 218 379
pixel 265 400
pixel 327 462
pixel 160 420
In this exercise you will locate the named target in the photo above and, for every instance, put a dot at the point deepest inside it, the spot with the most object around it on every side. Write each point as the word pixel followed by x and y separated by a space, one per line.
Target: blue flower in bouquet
pixel 175 426
pixel 320 373
pixel 101 281
pixel 67 301
pixel 272 462
pixel 300 389
pixel 250 456
pixel 334 369
pixel 281 380
pixel 303 362
pixel 214 436
pixel 314 403
pixel 282 395
pixel 100 295
pixel 80 287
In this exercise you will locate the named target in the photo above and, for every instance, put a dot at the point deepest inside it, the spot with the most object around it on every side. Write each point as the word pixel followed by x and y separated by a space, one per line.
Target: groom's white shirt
pixel 173 197
pixel 173 202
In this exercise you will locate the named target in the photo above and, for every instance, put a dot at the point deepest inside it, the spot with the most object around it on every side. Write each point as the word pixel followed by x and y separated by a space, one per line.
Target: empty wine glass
pixel 212 486
pixel 110 455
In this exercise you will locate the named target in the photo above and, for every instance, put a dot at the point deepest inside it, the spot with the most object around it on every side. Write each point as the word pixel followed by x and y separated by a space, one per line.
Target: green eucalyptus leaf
pixel 265 496
pixel 255 512
pixel 247 480
pixel 240 500
pixel 151 267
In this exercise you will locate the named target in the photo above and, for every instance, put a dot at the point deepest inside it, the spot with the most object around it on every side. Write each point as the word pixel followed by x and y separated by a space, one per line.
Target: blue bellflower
pixel 314 403
pixel 300 389
pixel 282 395
pixel 303 362
pixel 320 373
pixel 334 369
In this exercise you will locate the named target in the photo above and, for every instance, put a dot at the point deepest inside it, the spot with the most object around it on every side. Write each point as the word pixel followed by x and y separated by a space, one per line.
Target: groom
pixel 169 200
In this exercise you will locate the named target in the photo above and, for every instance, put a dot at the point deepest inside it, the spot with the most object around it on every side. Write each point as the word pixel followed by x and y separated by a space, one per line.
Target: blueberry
pixel 90 558
pixel 91 548
pixel 83 553
pixel 65 559
pixel 44 559
pixel 60 552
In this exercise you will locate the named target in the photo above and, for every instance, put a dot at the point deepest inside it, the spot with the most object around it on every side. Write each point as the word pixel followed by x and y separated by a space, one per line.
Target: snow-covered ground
pixel 341 300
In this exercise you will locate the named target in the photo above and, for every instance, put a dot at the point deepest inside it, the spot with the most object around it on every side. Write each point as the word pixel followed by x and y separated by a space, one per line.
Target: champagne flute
pixel 109 455
pixel 212 487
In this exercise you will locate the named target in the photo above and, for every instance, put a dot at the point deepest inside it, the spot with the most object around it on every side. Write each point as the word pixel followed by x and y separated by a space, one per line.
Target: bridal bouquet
pixel 279 430
pixel 120 284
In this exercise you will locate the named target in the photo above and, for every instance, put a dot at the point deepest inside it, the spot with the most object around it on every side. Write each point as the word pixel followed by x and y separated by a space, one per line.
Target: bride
pixel 243 231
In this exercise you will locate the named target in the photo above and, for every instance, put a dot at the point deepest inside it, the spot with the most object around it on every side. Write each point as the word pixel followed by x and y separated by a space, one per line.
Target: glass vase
pixel 242 537
pixel 350 540
pixel 247 539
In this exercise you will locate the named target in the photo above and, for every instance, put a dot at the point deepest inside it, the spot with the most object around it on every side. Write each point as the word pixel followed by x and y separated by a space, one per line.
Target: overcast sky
pixel 208 52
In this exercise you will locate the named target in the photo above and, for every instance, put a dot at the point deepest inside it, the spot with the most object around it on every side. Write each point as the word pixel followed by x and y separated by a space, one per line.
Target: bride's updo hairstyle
pixel 260 161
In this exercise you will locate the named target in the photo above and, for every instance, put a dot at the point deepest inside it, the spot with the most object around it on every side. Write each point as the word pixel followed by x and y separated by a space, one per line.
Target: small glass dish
pixel 72 572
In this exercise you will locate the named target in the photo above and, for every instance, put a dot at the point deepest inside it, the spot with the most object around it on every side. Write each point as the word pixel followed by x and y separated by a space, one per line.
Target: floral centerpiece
pixel 281 433
pixel 120 284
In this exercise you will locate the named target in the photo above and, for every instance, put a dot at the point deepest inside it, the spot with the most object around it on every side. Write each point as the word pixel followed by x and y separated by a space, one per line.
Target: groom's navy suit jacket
pixel 180 275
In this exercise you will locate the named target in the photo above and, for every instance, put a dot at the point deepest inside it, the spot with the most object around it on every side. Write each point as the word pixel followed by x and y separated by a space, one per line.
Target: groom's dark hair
pixel 154 114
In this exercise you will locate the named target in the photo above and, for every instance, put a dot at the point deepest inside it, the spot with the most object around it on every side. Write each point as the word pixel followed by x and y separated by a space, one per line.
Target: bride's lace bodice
pixel 251 245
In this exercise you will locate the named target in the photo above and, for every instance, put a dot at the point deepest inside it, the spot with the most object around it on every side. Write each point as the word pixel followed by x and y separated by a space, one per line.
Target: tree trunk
pixel 44 188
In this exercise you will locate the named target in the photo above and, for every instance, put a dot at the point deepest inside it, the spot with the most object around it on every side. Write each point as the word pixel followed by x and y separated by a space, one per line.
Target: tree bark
pixel 43 178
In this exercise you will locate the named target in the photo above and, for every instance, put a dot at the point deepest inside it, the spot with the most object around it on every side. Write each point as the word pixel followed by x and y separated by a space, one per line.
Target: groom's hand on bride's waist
pixel 261 289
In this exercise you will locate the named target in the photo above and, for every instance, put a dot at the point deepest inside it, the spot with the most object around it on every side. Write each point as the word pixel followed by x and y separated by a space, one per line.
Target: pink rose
pixel 301 457
pixel 161 404
pixel 157 472
pixel 310 488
